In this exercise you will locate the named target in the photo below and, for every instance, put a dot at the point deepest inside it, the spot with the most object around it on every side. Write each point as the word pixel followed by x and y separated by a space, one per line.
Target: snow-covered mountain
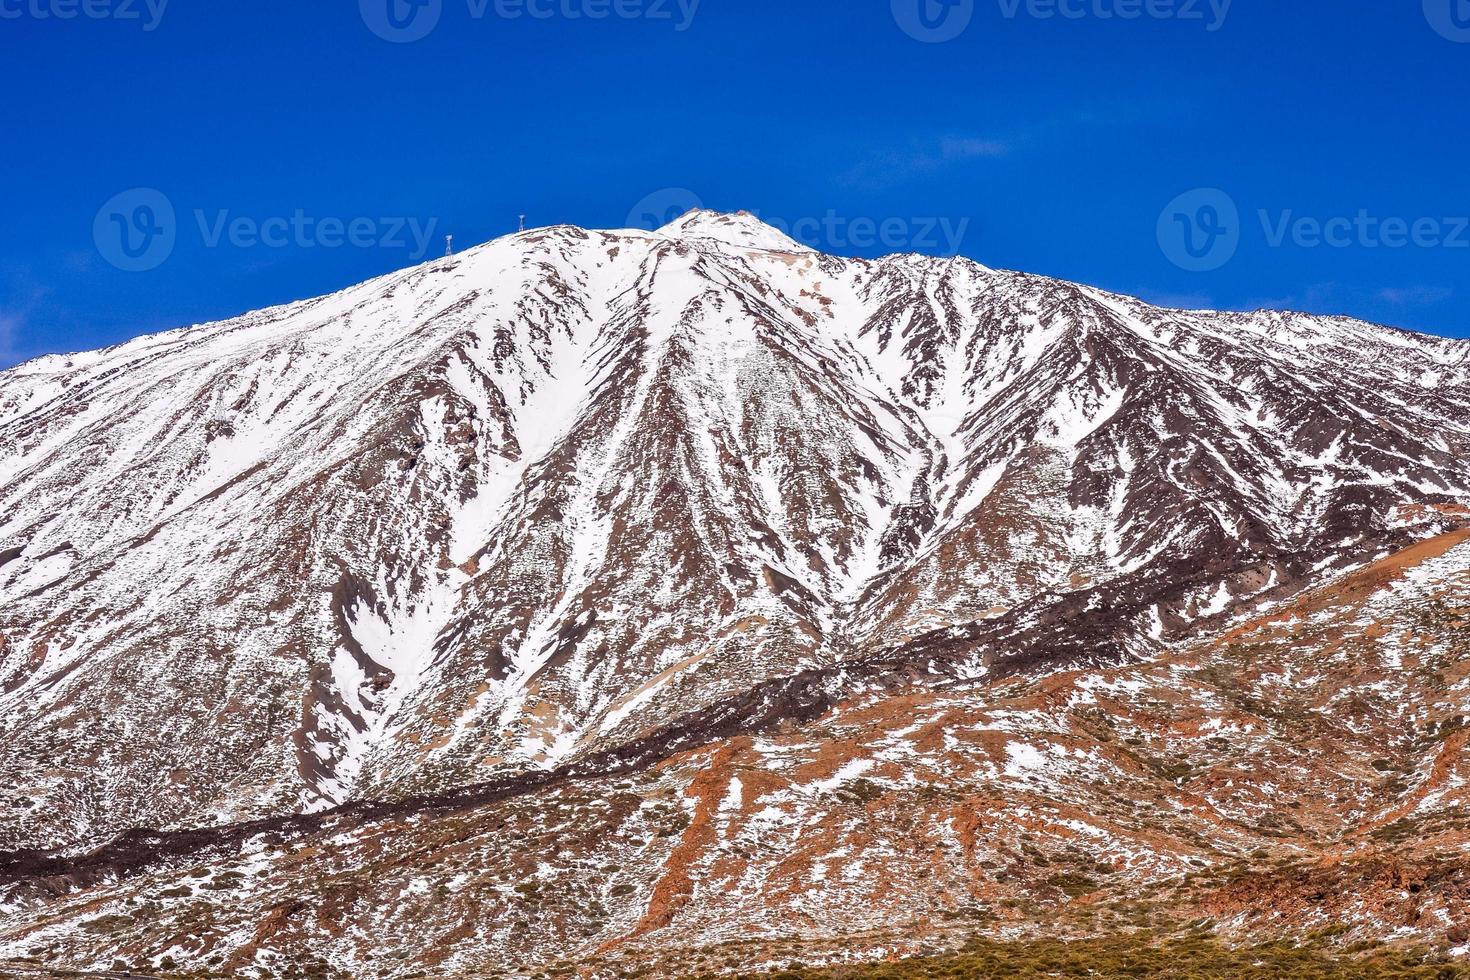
pixel 1303 775
pixel 528 504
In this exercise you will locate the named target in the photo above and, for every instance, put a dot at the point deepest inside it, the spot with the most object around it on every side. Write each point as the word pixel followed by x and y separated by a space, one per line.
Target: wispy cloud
pixel 1311 299
pixel 887 165
pixel 10 326
pixel 895 164
pixel 1177 301
pixel 1416 295
pixel 23 300
pixel 972 148
pixel 1339 297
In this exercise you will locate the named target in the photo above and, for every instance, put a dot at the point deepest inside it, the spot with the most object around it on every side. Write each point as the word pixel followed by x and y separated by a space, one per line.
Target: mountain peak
pixel 741 229
pixel 570 517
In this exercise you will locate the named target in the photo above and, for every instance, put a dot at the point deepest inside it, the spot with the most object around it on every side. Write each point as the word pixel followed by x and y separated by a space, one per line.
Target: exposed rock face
pixel 566 505
pixel 1300 771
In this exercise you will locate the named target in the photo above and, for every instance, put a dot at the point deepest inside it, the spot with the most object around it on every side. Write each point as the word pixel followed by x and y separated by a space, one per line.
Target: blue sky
pixel 1285 153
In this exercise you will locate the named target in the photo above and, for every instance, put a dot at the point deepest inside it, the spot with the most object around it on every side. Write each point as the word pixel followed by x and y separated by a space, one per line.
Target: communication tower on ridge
pixel 448 245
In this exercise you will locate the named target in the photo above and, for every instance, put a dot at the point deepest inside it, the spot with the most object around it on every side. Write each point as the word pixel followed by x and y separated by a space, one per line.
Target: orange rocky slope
pixel 1301 770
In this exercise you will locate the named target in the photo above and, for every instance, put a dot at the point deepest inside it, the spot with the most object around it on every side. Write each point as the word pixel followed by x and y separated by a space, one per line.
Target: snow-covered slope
pixel 532 501
pixel 1303 776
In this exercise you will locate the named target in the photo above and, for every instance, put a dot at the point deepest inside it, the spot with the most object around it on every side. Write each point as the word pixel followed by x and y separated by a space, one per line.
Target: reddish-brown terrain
pixel 1300 770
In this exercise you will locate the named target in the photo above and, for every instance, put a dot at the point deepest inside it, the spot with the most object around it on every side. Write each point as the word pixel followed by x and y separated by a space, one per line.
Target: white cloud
pixel 1178 301
pixel 1416 295
pixel 882 168
pixel 10 325
pixel 972 148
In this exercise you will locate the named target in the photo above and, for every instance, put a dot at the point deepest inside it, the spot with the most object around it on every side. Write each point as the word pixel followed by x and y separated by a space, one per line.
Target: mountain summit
pixel 577 501
pixel 512 505
pixel 741 229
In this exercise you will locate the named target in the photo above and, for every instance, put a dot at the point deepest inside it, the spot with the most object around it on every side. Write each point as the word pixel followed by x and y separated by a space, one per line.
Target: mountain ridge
pixel 590 600
pixel 814 455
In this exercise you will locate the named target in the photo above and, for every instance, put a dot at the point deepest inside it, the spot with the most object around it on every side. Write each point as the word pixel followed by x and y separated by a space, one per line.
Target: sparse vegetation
pixel 1188 958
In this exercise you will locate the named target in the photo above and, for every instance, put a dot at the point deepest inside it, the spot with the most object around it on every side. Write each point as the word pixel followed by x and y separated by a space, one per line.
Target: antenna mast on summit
pixel 523 222
pixel 448 245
